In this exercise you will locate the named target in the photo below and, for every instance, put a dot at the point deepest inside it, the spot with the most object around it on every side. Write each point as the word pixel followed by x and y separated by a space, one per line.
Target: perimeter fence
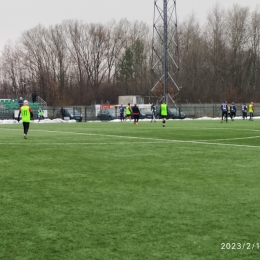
pixel 90 113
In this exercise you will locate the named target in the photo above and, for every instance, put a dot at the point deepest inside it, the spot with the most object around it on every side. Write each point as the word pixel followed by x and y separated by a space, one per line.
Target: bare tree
pixel 254 53
pixel 237 37
pixel 191 59
pixel 216 64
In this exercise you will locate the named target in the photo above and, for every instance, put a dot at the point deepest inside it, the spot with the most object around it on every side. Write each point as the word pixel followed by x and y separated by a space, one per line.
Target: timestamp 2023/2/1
pixel 240 246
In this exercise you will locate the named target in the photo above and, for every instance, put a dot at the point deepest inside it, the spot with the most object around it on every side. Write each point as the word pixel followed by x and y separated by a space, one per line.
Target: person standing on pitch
pixel 136 113
pixel 228 111
pixel 153 110
pixel 251 111
pixel 121 111
pixel 27 114
pixel 224 109
pixel 128 112
pixel 163 113
pixel 40 114
pixel 233 110
pixel 244 111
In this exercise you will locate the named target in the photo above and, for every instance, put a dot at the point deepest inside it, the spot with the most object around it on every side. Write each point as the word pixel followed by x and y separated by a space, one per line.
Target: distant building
pixel 138 99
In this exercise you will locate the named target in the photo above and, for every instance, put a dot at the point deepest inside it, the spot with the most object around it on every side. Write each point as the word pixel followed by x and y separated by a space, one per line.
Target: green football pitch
pixel 116 191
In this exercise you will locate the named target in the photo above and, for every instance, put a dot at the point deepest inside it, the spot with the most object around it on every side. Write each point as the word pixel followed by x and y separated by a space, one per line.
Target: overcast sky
pixel 17 16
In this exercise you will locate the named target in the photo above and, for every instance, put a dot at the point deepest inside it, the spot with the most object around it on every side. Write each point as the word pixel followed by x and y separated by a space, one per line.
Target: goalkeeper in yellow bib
pixel 27 114
pixel 163 113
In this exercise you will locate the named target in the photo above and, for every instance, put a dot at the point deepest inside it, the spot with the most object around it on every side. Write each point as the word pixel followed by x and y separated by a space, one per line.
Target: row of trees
pixel 77 64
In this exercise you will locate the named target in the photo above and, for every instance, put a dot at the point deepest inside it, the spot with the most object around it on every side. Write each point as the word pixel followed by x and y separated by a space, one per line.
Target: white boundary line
pixel 154 140
pixel 85 143
pixel 124 143
pixel 230 139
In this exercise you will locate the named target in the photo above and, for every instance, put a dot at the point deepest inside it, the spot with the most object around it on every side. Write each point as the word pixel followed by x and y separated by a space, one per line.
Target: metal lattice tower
pixel 165 55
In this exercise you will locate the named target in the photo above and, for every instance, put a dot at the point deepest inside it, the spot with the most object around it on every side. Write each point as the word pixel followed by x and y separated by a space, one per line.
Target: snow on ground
pixel 58 120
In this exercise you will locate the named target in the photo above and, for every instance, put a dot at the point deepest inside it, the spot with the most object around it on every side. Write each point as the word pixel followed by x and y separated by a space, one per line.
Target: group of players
pixel 229 110
pixel 136 113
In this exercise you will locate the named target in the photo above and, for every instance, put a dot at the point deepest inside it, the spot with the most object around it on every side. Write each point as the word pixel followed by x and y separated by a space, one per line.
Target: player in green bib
pixel 26 113
pixel 128 112
pixel 40 114
pixel 251 111
pixel 163 112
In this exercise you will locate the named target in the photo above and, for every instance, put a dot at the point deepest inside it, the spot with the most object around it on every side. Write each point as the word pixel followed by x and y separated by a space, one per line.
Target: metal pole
pixel 164 36
pixel 165 51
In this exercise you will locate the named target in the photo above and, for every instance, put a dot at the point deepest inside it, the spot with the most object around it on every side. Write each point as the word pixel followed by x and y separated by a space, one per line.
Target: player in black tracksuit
pixel 136 113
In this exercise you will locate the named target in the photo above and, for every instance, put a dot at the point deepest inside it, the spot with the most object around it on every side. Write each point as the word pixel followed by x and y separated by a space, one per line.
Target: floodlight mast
pixel 165 19
pixel 165 62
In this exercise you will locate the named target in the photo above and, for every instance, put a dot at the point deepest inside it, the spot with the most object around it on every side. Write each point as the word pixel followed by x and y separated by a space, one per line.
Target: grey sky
pixel 17 16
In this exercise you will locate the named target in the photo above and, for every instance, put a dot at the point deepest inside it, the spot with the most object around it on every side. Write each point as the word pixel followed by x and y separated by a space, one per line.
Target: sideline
pixel 230 139
pixel 153 140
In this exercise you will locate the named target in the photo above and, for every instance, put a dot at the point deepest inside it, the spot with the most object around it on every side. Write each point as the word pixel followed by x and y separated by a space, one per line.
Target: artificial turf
pixel 119 191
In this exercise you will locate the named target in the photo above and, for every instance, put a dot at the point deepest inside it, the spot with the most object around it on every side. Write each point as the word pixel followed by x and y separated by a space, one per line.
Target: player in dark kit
pixel 233 111
pixel 121 111
pixel 136 113
pixel 153 110
pixel 224 109
pixel 244 111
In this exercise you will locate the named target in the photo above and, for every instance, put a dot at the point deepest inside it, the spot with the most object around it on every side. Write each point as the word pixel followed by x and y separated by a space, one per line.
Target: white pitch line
pixel 230 139
pixel 154 139
pixel 192 128
pixel 163 141
pixel 86 143
pixel 158 140
pixel 223 128
pixel 146 138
